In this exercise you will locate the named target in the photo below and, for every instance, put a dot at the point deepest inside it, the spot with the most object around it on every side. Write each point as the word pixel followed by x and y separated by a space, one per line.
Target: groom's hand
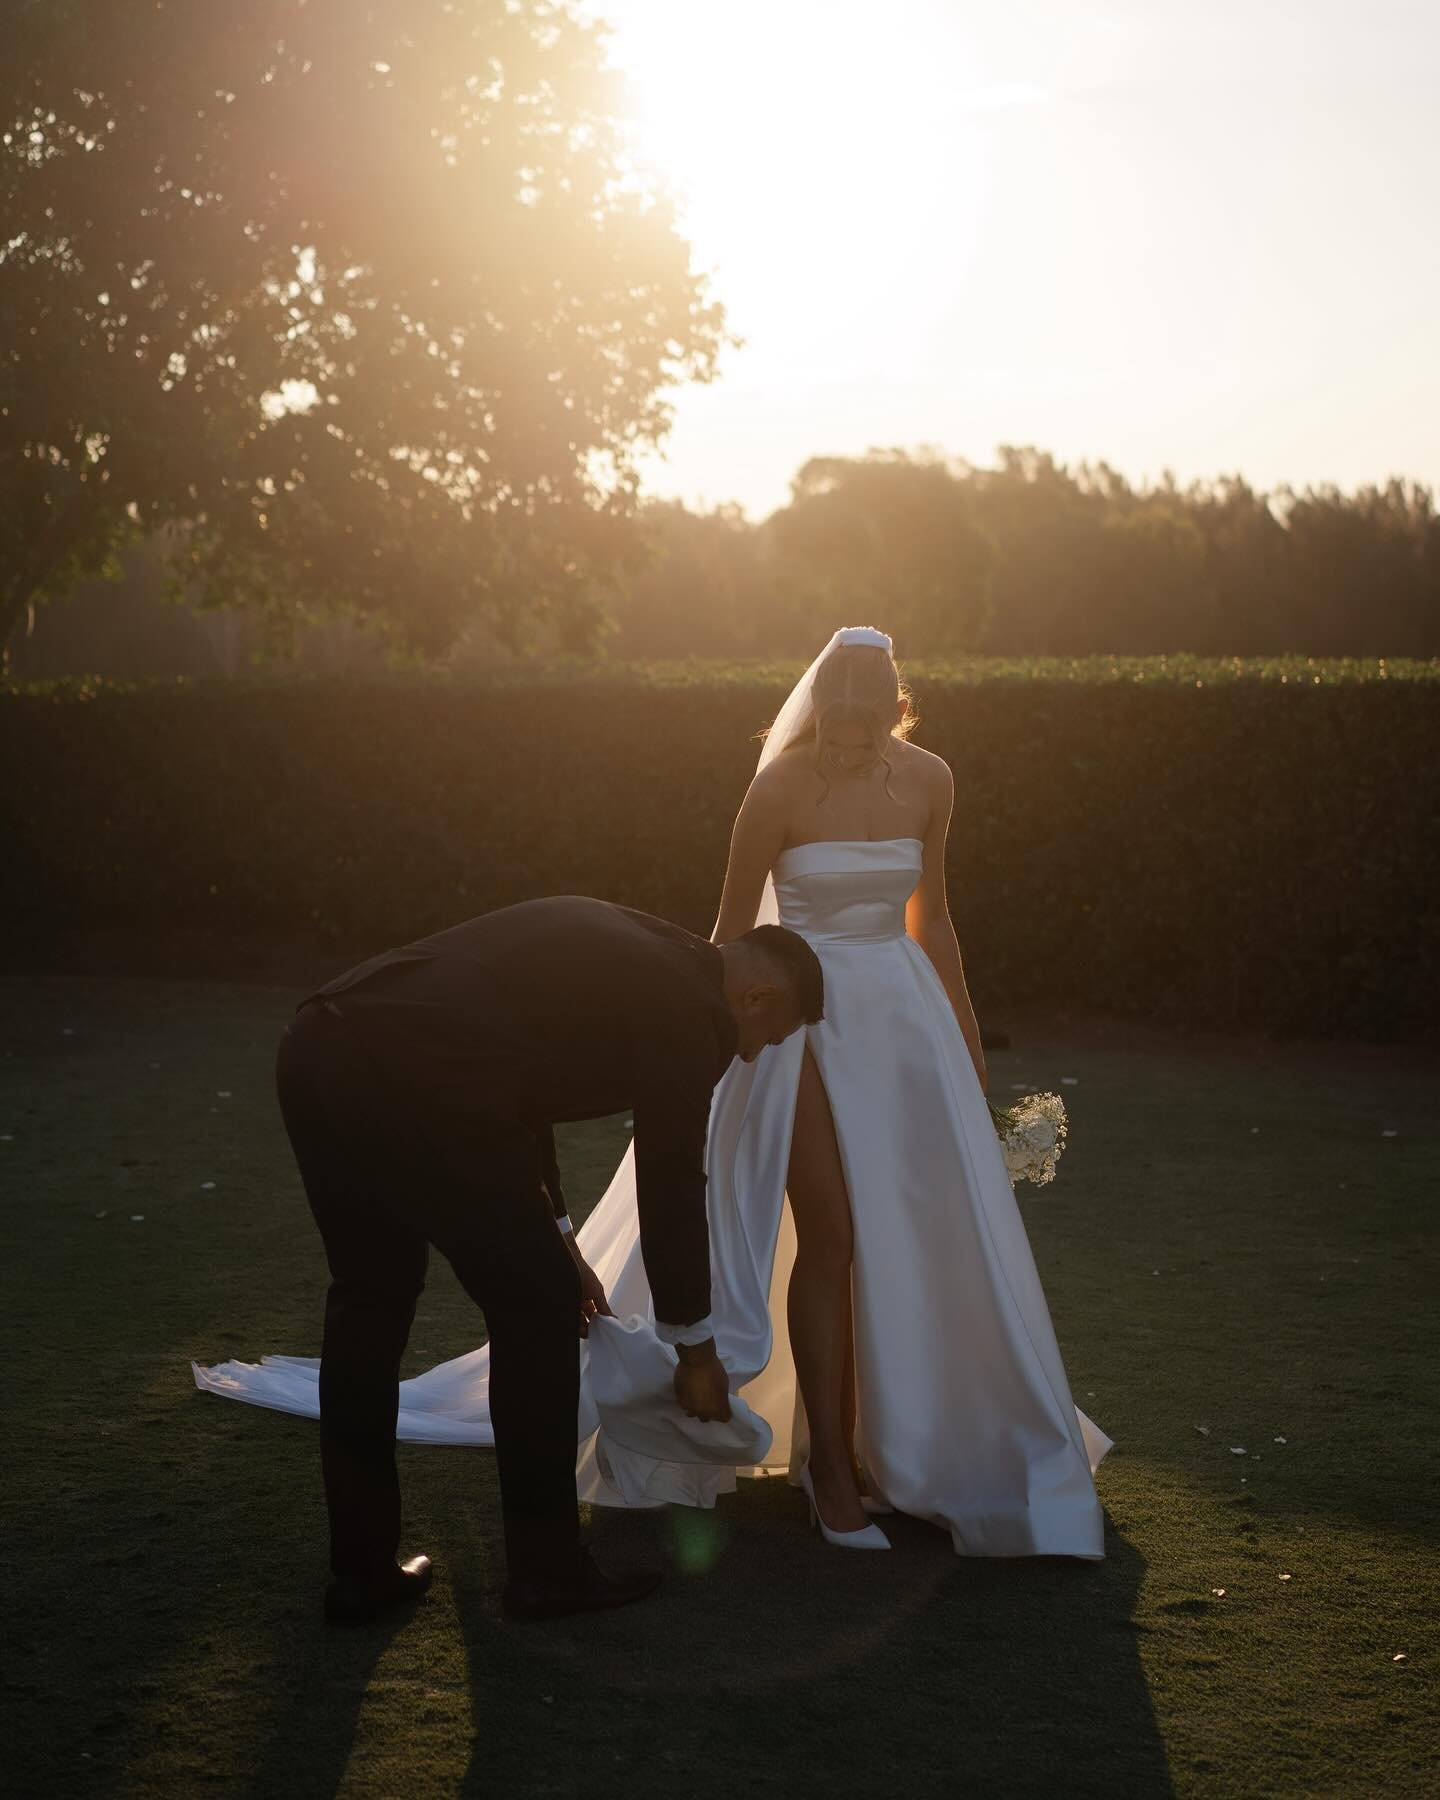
pixel 701 1384
pixel 593 1303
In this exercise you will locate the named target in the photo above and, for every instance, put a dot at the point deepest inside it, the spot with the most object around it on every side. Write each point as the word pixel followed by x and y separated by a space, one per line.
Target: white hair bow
pixel 867 635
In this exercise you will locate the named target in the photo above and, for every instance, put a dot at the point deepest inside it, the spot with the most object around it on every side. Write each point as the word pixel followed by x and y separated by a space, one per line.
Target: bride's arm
pixel 927 917
pixel 758 838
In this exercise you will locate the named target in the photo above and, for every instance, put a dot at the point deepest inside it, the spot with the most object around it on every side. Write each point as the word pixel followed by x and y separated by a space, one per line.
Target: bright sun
pixel 1097 228
pixel 814 151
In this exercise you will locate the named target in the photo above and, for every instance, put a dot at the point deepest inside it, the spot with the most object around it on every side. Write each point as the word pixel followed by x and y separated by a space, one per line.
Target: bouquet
pixel 1032 1135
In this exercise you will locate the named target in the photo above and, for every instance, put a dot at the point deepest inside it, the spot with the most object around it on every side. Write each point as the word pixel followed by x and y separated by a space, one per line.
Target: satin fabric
pixel 965 1413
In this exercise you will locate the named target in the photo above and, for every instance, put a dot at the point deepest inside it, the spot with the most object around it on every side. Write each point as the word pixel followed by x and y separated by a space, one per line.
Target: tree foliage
pixel 1031 558
pixel 886 535
pixel 369 297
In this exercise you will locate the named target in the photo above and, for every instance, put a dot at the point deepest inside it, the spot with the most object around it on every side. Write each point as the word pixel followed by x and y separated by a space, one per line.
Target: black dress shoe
pixel 584 1589
pixel 356 1599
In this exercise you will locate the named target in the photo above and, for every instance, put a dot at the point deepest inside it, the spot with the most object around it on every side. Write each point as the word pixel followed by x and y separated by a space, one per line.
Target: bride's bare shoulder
pixel 783 773
pixel 929 768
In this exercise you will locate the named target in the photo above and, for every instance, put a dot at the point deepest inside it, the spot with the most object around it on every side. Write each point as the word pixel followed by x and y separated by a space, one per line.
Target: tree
pixel 705 589
pixel 1151 576
pixel 1365 570
pixel 1045 524
pixel 1247 553
pixel 368 296
pixel 889 539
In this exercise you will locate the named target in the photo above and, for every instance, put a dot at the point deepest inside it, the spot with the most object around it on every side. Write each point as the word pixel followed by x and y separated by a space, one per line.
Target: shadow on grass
pixel 323 1673
pixel 767 1653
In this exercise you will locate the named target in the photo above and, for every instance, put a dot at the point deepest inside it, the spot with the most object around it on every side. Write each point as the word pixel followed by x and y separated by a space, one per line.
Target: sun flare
pixel 814 165
pixel 947 224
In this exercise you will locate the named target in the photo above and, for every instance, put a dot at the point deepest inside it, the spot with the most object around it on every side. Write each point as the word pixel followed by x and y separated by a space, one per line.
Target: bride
pixel 888 1323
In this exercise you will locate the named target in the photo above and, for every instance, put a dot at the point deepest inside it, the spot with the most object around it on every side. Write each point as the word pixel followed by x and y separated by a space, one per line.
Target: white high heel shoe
pixel 868 1537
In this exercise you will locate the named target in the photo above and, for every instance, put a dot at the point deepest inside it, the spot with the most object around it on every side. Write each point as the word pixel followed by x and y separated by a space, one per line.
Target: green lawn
pixel 1234 1245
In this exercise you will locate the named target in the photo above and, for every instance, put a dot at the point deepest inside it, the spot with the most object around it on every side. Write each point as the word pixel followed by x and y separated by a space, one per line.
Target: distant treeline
pixel 1033 558
pixel 1028 558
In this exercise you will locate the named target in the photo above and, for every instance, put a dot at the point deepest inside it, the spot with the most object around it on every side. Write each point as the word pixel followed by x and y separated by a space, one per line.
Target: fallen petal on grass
pixel 1286 1578
pixel 1219 1593
pixel 1281 1440
pixel 1400 1656
pixel 205 1186
pixel 1238 1450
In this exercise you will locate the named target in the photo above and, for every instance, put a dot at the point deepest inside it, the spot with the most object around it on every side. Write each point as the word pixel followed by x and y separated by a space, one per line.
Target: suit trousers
pixel 385 1182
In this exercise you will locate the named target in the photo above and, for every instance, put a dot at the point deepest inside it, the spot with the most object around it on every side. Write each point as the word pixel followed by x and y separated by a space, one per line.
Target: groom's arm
pixel 550 1170
pixel 672 1114
pixel 592 1290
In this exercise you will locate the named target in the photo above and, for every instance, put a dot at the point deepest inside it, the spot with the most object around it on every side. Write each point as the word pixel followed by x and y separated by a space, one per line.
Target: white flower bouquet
pixel 1032 1134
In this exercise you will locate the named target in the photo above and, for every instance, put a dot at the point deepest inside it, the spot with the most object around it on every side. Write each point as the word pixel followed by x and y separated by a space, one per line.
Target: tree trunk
pixel 14 606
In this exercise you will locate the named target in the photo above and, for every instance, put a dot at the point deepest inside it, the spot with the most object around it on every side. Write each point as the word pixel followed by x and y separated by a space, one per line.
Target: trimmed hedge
pixel 1230 845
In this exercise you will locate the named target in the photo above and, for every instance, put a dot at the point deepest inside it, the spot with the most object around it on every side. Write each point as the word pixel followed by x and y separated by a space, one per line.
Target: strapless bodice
pixel 848 892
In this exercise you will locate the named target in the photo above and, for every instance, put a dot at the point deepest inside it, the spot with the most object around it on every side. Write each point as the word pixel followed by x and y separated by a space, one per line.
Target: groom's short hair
pixel 797 962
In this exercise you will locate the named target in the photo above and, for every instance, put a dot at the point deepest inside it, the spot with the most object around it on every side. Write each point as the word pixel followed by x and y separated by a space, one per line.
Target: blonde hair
pixel 857 684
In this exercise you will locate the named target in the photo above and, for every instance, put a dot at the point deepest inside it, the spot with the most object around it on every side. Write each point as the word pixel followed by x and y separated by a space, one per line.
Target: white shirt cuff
pixel 565 1226
pixel 686 1334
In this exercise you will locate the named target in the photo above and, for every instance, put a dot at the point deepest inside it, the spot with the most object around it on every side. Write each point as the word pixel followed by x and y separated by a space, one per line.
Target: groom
pixel 419 1092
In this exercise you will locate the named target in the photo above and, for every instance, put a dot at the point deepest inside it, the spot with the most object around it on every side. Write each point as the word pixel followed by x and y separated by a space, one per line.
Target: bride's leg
pixel 819 1300
pixel 847 1399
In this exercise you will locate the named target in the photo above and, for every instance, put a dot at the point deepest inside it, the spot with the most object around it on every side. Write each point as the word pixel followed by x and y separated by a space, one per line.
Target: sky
pixel 1189 237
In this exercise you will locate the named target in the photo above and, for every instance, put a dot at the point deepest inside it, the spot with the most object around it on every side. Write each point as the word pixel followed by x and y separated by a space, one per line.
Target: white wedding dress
pixel 965 1413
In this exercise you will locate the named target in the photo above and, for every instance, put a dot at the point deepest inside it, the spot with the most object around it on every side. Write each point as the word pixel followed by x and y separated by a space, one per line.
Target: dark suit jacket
pixel 559 1009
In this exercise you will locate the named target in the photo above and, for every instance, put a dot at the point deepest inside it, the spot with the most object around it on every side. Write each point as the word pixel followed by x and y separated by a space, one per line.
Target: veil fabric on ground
pixel 965 1412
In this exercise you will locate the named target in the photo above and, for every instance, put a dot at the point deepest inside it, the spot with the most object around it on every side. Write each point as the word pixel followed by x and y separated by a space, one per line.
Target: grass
pixel 1234 1244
